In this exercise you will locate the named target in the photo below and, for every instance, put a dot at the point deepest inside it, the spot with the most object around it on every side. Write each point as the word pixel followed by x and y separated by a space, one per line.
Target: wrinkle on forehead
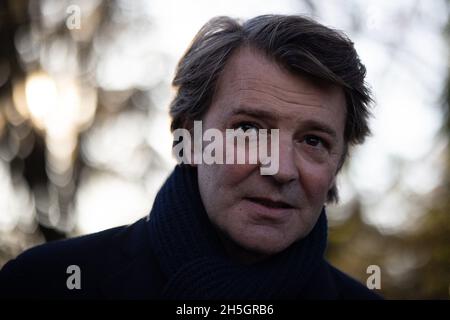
pixel 285 97
pixel 263 94
pixel 249 72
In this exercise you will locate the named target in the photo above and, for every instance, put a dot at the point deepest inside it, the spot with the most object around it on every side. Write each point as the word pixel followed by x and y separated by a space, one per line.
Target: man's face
pixel 266 214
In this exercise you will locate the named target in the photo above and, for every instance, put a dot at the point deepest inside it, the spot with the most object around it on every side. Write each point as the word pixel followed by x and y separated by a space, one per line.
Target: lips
pixel 275 204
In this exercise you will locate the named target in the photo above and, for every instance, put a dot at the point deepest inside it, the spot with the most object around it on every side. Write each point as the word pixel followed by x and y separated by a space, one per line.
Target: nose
pixel 287 171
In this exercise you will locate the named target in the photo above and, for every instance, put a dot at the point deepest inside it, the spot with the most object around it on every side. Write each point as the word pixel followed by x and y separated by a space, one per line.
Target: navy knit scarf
pixel 195 263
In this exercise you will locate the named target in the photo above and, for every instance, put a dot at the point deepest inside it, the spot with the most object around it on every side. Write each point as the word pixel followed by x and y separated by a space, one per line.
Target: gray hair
pixel 300 44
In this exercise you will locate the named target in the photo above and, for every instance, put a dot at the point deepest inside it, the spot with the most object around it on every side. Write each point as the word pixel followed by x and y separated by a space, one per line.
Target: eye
pixel 314 141
pixel 246 126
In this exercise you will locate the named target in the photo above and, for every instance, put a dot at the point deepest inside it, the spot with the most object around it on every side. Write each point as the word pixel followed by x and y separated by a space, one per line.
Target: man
pixel 225 231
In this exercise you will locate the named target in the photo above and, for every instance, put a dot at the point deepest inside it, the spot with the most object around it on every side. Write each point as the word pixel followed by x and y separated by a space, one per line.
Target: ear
pixel 189 125
pixel 332 182
pixel 332 195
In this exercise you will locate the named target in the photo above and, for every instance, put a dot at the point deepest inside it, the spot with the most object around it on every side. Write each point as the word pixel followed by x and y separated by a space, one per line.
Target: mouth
pixel 269 203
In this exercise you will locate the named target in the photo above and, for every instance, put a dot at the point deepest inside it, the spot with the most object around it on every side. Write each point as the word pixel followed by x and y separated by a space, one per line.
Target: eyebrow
pixel 253 113
pixel 319 126
pixel 310 124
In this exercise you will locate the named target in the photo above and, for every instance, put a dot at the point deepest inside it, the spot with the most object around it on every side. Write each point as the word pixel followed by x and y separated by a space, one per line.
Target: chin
pixel 263 245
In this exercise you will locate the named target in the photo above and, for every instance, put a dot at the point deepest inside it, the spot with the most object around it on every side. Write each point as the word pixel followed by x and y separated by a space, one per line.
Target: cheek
pixel 317 179
pixel 235 174
pixel 231 175
pixel 225 180
pixel 221 187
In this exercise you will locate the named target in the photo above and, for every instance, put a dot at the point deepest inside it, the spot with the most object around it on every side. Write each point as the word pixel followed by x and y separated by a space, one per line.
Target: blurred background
pixel 85 141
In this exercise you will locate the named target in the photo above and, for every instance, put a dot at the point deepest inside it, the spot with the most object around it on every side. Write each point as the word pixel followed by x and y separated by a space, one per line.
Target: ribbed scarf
pixel 196 265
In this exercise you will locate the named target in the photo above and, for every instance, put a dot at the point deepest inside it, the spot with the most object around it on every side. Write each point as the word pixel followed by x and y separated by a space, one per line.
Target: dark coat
pixel 119 263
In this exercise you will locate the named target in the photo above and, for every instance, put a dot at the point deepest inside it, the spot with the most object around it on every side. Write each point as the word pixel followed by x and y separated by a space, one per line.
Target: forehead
pixel 251 79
